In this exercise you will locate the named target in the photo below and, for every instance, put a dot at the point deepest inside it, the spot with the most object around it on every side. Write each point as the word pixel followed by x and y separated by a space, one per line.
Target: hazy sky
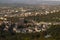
pixel 24 1
pixel 52 0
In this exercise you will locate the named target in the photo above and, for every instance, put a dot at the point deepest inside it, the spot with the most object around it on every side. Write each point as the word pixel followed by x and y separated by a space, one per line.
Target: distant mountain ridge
pixel 35 3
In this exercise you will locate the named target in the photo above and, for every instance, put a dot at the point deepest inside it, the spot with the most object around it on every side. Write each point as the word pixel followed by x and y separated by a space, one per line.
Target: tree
pixel 54 30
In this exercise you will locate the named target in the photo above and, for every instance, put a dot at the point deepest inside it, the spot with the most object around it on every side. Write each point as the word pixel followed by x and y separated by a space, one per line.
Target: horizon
pixel 31 1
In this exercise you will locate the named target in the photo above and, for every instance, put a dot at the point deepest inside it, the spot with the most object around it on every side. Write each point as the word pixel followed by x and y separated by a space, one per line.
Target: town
pixel 19 24
pixel 27 19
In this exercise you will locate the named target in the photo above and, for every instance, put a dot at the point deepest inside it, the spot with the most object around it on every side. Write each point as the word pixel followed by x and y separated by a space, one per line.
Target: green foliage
pixel 54 31
pixel 51 17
